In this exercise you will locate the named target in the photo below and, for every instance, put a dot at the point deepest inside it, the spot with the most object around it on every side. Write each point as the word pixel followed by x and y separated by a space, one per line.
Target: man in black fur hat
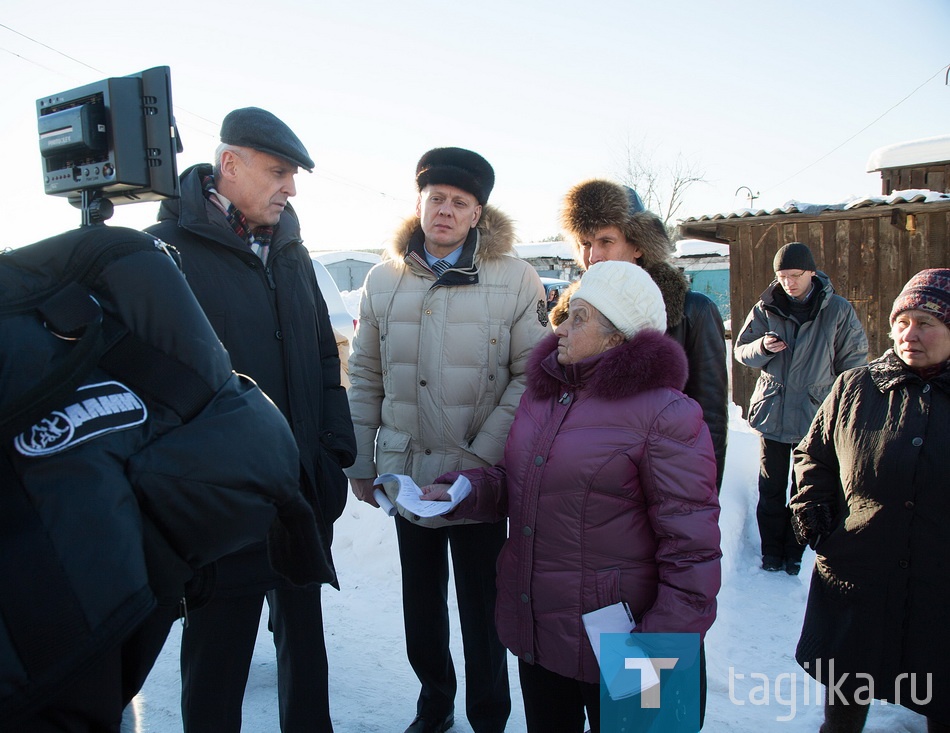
pixel 606 222
pixel 447 322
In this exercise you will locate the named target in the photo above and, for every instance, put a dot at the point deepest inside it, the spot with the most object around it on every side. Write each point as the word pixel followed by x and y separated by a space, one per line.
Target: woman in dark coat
pixel 874 503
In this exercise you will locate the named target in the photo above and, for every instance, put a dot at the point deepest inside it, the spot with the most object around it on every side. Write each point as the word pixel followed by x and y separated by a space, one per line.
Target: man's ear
pixel 476 216
pixel 228 164
pixel 419 206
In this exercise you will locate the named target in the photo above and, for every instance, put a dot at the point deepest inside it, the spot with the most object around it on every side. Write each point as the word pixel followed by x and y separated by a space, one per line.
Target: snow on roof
pixel 910 153
pixel 562 250
pixel 328 258
pixel 699 248
pixel 908 196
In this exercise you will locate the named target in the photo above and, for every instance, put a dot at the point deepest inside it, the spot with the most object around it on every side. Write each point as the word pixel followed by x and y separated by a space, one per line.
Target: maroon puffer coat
pixel 609 480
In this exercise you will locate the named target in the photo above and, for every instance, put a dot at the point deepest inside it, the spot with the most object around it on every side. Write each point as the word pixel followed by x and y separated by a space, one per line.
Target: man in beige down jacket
pixel 447 322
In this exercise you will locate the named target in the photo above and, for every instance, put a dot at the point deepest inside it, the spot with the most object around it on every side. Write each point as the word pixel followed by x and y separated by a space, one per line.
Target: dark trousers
pixel 93 702
pixel 841 718
pixel 216 650
pixel 423 555
pixel 556 703
pixel 553 703
pixel 773 515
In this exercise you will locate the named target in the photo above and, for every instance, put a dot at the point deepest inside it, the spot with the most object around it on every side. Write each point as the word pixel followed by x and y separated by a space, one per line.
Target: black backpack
pixel 131 455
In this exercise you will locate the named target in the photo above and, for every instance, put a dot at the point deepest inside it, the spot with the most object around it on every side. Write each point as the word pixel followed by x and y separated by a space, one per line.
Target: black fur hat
pixel 456 167
pixel 253 127
pixel 597 203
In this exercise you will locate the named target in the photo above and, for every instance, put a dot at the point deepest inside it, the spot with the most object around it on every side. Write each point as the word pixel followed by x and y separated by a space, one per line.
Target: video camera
pixel 111 142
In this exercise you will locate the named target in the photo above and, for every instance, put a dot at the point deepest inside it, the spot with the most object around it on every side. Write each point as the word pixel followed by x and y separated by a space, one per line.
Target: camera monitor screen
pixel 116 137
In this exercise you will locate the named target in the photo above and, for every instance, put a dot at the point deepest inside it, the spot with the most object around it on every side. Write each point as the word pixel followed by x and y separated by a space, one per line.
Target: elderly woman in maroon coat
pixel 609 481
pixel 874 503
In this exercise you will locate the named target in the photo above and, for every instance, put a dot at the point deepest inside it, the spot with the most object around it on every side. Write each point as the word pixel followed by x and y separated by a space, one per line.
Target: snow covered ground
pixel 755 685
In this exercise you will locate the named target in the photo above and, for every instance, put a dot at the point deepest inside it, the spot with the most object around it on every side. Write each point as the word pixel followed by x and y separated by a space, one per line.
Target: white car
pixel 343 322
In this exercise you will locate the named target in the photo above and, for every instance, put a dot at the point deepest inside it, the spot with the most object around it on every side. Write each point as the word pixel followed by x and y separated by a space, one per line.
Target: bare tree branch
pixel 662 190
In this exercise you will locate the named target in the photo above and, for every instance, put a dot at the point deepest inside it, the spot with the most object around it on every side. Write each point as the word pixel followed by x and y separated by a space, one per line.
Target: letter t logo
pixel 650 676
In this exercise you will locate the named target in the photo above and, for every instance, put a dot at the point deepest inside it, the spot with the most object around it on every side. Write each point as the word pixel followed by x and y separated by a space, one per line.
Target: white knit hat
pixel 625 294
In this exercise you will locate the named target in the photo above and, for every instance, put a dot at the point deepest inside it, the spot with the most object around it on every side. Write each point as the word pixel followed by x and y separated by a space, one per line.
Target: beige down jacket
pixel 438 366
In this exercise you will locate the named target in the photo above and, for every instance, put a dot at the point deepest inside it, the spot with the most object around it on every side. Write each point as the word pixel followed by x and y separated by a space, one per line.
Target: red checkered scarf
pixel 258 241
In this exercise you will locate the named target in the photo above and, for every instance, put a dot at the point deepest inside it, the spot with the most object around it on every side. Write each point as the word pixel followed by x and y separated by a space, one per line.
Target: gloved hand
pixel 811 523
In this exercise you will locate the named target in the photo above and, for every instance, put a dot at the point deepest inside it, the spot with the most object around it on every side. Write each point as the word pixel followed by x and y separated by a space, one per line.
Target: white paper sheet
pixel 384 503
pixel 617 619
pixel 409 495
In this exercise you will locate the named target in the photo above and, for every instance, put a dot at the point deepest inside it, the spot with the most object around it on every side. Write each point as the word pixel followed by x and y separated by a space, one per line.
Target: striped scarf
pixel 259 241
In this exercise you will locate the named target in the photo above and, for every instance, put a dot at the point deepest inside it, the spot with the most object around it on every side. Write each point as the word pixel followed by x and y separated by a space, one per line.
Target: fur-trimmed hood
pixel 496 237
pixel 650 360
pixel 672 283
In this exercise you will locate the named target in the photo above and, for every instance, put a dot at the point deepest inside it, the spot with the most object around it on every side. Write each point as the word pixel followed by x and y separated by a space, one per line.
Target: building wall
pixel 709 275
pixel 349 274
pixel 934 177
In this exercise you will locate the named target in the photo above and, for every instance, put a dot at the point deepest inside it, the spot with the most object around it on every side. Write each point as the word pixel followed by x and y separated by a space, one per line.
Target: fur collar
pixel 649 360
pixel 496 237
pixel 889 372
pixel 674 285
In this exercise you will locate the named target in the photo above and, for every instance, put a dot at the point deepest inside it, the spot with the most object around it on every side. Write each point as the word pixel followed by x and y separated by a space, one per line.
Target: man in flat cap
pixel 802 336
pixel 447 322
pixel 242 254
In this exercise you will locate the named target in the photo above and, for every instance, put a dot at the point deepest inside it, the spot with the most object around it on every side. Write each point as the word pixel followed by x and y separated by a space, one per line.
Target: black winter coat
pixel 114 496
pixel 876 455
pixel 701 334
pixel 275 325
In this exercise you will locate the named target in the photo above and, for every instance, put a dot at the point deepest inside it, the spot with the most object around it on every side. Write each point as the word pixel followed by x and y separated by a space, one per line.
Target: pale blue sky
pixel 549 92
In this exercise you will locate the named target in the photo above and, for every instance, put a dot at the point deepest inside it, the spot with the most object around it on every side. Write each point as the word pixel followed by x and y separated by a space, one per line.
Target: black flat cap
pixel 456 167
pixel 253 127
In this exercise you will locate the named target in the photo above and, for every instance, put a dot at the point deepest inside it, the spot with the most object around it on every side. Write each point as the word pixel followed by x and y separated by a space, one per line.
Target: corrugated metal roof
pixel 910 196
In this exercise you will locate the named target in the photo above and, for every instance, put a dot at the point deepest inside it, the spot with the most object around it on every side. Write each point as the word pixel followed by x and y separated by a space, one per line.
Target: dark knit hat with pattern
pixel 928 291
pixel 794 256
pixel 256 128
pixel 456 167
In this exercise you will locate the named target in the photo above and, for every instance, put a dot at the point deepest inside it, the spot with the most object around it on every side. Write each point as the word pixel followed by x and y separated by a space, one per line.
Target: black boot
pixel 844 717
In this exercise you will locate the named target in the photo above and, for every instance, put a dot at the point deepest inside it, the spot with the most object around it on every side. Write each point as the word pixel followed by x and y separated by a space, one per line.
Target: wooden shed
pixel 868 248
pixel 916 164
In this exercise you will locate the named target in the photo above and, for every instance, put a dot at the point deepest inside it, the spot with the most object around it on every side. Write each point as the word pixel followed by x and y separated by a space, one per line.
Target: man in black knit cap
pixel 802 336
